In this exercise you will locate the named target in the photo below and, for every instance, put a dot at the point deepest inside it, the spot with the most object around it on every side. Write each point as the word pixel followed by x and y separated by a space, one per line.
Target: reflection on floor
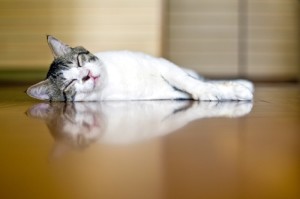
pixel 160 149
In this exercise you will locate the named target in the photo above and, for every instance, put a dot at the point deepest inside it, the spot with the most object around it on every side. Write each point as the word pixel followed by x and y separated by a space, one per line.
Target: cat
pixel 78 75
pixel 77 125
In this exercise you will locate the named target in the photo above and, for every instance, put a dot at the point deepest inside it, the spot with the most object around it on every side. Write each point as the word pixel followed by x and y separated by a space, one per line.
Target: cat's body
pixel 143 77
pixel 78 75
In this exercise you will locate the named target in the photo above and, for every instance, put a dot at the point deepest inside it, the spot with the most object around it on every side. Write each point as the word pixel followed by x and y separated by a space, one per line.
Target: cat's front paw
pixel 211 93
pixel 243 91
pixel 240 90
pixel 245 83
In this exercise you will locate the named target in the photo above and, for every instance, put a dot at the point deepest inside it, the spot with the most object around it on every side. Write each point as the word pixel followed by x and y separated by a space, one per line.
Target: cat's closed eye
pixel 79 60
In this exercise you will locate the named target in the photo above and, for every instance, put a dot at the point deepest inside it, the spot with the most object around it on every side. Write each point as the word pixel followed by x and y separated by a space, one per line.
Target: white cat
pixel 78 75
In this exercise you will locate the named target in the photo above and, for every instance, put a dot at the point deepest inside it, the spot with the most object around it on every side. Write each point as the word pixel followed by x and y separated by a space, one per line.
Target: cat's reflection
pixel 77 125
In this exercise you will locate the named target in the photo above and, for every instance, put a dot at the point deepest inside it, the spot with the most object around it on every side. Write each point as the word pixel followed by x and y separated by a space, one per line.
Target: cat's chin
pixel 90 95
pixel 88 87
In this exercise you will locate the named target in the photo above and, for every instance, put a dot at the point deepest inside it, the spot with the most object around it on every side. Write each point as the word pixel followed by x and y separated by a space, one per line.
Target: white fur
pixel 126 75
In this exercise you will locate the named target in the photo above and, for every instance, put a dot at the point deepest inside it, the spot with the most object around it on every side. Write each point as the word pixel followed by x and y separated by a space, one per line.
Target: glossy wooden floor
pixel 151 150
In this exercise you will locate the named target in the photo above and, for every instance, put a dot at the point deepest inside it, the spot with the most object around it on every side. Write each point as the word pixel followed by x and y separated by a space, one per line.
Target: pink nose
pixel 90 75
pixel 94 77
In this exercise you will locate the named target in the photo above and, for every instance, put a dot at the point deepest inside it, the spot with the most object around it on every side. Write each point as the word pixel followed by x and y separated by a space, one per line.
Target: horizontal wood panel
pixel 203 6
pixel 72 4
pixel 274 33
pixel 288 20
pixel 277 72
pixel 110 20
pixel 202 32
pixel 204 19
pixel 273 47
pixel 273 6
pixel 203 46
pixel 207 63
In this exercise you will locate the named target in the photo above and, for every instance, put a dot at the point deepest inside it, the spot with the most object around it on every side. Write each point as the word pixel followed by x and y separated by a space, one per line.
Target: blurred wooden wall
pixel 202 35
pixel 273 39
pixel 96 24
pixel 259 39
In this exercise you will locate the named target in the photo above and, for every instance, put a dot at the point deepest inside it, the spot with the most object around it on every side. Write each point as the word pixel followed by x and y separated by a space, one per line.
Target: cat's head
pixel 74 71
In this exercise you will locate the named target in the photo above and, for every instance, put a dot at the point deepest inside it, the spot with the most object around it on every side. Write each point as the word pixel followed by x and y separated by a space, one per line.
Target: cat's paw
pixel 239 90
pixel 242 91
pixel 245 83
pixel 210 93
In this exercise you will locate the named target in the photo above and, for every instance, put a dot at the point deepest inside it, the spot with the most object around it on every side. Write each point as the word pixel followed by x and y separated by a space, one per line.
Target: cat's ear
pixel 57 47
pixel 40 90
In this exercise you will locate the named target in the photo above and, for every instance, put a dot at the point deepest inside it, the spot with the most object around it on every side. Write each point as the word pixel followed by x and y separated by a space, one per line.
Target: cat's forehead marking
pixel 79 50
pixel 56 67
